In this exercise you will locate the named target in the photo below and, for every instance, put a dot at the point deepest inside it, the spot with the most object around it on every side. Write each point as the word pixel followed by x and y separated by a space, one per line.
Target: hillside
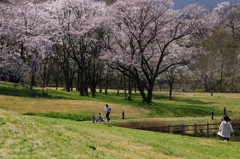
pixel 40 138
pixel 21 99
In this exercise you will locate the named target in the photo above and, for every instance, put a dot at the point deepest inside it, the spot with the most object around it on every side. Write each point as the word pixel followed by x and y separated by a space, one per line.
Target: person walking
pixel 107 110
pixel 225 128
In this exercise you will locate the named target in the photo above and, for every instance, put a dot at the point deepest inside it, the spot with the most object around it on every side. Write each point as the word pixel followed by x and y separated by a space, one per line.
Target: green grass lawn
pixel 29 137
pixel 35 136
pixel 22 100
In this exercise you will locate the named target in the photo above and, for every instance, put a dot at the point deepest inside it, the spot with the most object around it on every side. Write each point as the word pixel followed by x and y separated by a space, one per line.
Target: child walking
pixel 225 128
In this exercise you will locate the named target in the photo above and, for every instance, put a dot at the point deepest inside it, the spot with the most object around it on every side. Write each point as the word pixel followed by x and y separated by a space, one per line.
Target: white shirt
pixel 225 129
pixel 107 109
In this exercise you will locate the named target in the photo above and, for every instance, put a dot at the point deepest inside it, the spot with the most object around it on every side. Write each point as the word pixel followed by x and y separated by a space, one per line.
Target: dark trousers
pixel 107 116
pixel 223 138
pixel 226 138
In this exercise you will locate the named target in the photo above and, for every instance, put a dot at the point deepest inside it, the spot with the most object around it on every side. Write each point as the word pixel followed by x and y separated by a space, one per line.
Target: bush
pixel 75 117
pixel 236 120
pixel 139 123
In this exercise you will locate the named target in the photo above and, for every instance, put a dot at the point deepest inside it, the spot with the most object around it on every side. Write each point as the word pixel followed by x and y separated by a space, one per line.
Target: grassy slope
pixel 22 100
pixel 35 137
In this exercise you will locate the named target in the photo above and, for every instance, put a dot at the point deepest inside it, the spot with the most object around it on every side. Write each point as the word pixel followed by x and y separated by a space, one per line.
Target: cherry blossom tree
pixel 147 38
pixel 75 26
pixel 217 66
pixel 228 16
pixel 173 75
pixel 25 47
pixel 141 39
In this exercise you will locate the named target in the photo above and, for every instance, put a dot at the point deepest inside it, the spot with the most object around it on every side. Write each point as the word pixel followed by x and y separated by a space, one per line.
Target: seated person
pixel 99 118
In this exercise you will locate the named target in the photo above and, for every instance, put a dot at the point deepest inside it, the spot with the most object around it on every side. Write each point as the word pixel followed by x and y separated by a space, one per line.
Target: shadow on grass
pixel 178 99
pixel 23 91
pixel 178 107
pixel 169 110
pixel 75 117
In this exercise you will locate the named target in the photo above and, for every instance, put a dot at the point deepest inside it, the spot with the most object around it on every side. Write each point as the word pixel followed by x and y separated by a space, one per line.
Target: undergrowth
pixel 76 117
pixel 138 123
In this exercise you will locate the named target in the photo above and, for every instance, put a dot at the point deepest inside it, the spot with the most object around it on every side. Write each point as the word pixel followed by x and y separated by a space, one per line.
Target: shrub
pixel 75 117
pixel 139 123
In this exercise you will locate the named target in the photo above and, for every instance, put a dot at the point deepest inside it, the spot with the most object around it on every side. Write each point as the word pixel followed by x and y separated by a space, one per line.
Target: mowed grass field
pixel 22 100
pixel 24 136
pixel 30 137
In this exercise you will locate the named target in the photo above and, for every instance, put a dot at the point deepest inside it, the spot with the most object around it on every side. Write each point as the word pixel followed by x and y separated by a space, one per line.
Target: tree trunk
pixel 232 85
pixel 32 83
pixel 124 83
pixel 206 85
pixel 71 78
pixel 129 88
pixel 119 84
pixel 100 81
pixel 67 83
pixel 221 78
pixel 170 88
pixel 85 85
pixel 56 82
pixel 81 89
pixel 92 77
pixel 100 86
pixel 106 85
pixel 141 90
pixel 150 93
